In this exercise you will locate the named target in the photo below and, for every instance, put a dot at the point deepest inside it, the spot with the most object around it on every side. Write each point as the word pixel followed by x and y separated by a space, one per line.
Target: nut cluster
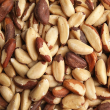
pixel 54 55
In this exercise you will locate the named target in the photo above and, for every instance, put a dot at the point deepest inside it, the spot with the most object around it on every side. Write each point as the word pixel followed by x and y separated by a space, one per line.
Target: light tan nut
pixel 39 67
pixel 91 60
pixel 53 19
pixel 108 66
pixel 60 91
pixel 23 35
pixel 18 41
pixel 13 87
pixel 21 69
pixel 108 21
pixel 56 10
pixel 96 83
pixel 102 93
pixel 32 63
pixel 24 83
pixel 1 68
pixel 51 36
pixel 98 11
pixel 18 90
pixel 4 80
pixel 67 70
pixel 6 93
pixel 79 47
pixel 49 70
pixel 22 56
pixel 104 57
pixel 68 76
pixel 9 70
pixel 49 107
pixel 40 90
pixel 25 101
pixel 63 28
pixel 51 99
pixel 25 27
pixel 17 31
pixel 81 74
pixel 52 81
pixel 93 38
pixel 15 102
pixel 58 68
pixel 75 86
pixel 28 11
pixel 90 89
pixel 83 9
pixel 106 4
pixel 40 29
pixel 30 42
pixel 20 7
pixel 69 10
pixel 43 50
pixel 105 37
pixel 76 19
pixel 72 101
pixel 2 39
pixel 100 71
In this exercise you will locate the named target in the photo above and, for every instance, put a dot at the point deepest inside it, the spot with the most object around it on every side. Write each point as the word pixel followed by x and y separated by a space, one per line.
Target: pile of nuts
pixel 54 55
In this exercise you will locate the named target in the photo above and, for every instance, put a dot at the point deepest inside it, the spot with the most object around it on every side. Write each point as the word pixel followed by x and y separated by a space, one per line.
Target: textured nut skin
pixel 3 103
pixel 42 10
pixel 5 8
pixel 49 107
pixel 106 4
pixel 74 61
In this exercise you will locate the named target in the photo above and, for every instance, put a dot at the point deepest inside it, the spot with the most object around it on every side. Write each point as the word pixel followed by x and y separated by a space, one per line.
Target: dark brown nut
pixel 91 60
pixel 60 91
pixel 5 8
pixel 3 103
pixel 9 29
pixel 43 50
pixel 74 61
pixel 7 51
pixel 1 1
pixel 49 107
pixel 24 83
pixel 42 11
pixel 51 99
pixel 35 105
pixel 108 66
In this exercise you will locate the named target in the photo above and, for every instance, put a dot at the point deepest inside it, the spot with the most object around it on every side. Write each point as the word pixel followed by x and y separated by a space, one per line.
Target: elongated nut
pixel 18 41
pixel 64 32
pixel 15 102
pixel 91 60
pixel 25 101
pixel 76 19
pixel 58 68
pixel 93 38
pixel 4 80
pixel 2 39
pixel 22 56
pixel 98 11
pixel 5 8
pixel 49 107
pixel 67 70
pixel 19 7
pixel 18 90
pixel 74 86
pixel 81 74
pixel 49 70
pixel 106 4
pixel 51 37
pixel 19 68
pixel 74 61
pixel 42 11
pixel 28 11
pixel 7 51
pixel 79 47
pixel 60 91
pixel 51 99
pixel 69 10
pixel 6 93
pixel 90 90
pixel 100 71
pixel 72 101
pixel 53 19
pixel 102 93
pixel 24 83
pixel 108 66
pixel 39 67
pixel 43 50
pixel 3 103
pixel 30 42
pixel 40 90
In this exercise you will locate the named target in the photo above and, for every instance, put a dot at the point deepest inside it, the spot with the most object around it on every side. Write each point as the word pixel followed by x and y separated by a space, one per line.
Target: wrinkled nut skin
pixel 42 11
pixel 74 61
pixel 49 107
pixel 5 8
pixel 3 103
pixel 106 4
pixel 9 48
pixel 104 106
pixel 9 29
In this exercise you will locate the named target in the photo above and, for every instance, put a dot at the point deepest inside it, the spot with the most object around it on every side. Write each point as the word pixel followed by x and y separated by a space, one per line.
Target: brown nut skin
pixel 3 103
pixel 1 1
pixel 49 107
pixel 74 61
pixel 9 48
pixel 5 8
pixel 42 11
pixel 104 106
pixel 9 29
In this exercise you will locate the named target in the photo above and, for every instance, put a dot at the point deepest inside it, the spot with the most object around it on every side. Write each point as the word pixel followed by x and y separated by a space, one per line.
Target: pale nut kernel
pixel 18 41
pixel 106 4
pixel 2 39
pixel 53 19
